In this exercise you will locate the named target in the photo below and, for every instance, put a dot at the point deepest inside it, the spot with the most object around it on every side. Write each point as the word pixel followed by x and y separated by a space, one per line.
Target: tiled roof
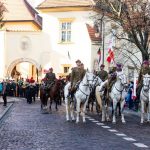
pixel 65 3
pixel 20 10
pixel 92 34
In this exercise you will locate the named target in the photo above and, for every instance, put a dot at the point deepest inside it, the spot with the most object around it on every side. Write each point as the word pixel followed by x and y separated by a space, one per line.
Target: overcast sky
pixel 34 3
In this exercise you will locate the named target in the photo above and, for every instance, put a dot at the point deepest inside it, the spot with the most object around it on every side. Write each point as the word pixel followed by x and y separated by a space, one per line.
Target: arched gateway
pixel 14 63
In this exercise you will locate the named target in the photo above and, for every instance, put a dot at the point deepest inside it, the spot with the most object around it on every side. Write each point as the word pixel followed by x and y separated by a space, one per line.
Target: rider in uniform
pixel 145 69
pixel 102 74
pixel 50 78
pixel 84 70
pixel 77 75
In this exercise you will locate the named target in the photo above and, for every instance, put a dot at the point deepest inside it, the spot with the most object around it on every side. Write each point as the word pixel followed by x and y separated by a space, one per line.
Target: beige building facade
pixel 55 35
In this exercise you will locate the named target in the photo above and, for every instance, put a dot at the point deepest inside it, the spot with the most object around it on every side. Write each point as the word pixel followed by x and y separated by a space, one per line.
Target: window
pixel 66 69
pixel 66 32
pixel 66 29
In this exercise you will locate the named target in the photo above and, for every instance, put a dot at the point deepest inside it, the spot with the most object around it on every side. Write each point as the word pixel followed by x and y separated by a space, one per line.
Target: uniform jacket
pixel 77 75
pixel 50 77
pixel 143 71
pixel 102 74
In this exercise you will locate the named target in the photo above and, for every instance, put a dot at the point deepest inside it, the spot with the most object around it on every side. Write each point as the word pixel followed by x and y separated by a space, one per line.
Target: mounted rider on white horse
pixel 145 98
pixel 115 86
pixel 143 85
pixel 75 77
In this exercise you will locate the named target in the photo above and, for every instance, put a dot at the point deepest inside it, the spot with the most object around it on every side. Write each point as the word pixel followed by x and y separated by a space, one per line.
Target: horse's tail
pixel 98 97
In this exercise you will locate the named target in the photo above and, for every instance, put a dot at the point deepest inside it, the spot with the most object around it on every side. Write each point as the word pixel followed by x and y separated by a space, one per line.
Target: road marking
pixel 106 127
pixel 129 139
pixel 111 130
pixel 91 119
pixel 141 145
pixel 100 124
pixel 88 117
pixel 95 121
pixel 120 134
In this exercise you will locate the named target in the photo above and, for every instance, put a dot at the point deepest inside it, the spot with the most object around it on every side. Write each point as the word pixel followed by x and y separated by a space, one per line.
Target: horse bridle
pixel 147 85
pixel 121 83
pixel 88 85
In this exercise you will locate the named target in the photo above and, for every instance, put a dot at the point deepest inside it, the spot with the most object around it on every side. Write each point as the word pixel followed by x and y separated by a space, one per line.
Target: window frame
pixel 67 31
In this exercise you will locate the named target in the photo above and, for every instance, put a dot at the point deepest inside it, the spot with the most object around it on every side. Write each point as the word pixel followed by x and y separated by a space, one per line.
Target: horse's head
pixel 146 82
pixel 97 81
pixel 90 78
pixel 121 76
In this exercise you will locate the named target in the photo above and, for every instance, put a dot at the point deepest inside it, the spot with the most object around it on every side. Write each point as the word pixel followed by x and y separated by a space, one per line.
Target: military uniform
pixel 76 76
pixel 50 78
pixel 143 71
pixel 102 74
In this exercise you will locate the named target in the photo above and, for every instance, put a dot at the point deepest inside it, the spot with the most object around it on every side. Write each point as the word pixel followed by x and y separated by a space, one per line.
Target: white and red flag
pixel 99 56
pixel 110 57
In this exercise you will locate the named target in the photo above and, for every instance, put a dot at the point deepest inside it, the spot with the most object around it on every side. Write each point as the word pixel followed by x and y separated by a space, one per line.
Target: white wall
pixel 37 47
pixel 2 54
pixel 80 48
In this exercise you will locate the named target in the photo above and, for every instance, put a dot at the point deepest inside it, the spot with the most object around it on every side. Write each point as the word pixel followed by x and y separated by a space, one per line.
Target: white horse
pixel 68 103
pixel 144 97
pixel 82 94
pixel 117 95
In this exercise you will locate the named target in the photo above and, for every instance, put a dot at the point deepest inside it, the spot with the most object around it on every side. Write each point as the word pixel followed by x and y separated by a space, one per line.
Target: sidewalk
pixel 5 109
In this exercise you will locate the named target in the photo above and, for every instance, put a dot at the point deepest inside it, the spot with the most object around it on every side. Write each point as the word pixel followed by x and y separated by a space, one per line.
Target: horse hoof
pixel 73 119
pixel 77 122
pixel 123 122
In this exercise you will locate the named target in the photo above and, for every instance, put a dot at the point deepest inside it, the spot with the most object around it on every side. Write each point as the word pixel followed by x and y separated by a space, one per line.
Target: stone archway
pixel 14 63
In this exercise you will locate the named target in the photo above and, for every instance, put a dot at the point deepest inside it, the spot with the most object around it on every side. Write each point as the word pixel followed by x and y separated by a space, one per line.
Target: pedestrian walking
pixel 4 93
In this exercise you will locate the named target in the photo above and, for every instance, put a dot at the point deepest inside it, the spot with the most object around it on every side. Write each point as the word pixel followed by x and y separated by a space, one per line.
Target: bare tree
pixel 133 17
pixel 2 10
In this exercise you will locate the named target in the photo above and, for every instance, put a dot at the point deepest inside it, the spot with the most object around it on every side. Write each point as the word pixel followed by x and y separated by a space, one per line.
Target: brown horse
pixel 54 93
pixel 43 96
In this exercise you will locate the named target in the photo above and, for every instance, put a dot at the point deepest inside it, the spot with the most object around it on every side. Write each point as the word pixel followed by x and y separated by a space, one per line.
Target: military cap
pixel 102 65
pixel 118 65
pixel 78 61
pixel 146 62
pixel 51 68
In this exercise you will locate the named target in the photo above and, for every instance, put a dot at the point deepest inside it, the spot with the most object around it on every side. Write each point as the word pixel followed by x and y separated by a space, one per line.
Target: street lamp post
pixel 103 37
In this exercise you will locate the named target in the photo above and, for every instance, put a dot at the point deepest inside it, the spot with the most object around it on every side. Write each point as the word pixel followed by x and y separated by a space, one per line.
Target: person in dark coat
pixel 50 78
pixel 102 74
pixel 4 93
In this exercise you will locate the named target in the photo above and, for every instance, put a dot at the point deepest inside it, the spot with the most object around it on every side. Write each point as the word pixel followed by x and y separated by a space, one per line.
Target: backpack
pixel 1 87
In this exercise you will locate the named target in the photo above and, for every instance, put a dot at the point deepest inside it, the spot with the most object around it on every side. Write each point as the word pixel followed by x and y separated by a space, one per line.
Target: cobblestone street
pixel 26 128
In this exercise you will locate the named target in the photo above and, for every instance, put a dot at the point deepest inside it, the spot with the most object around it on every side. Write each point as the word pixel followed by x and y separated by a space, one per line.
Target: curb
pixel 5 111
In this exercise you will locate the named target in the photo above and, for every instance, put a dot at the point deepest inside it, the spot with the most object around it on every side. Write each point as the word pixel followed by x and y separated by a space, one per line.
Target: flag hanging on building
pixel 99 55
pixel 69 57
pixel 110 57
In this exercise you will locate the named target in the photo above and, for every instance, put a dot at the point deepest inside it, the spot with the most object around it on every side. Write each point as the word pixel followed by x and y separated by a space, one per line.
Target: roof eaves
pixel 36 18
